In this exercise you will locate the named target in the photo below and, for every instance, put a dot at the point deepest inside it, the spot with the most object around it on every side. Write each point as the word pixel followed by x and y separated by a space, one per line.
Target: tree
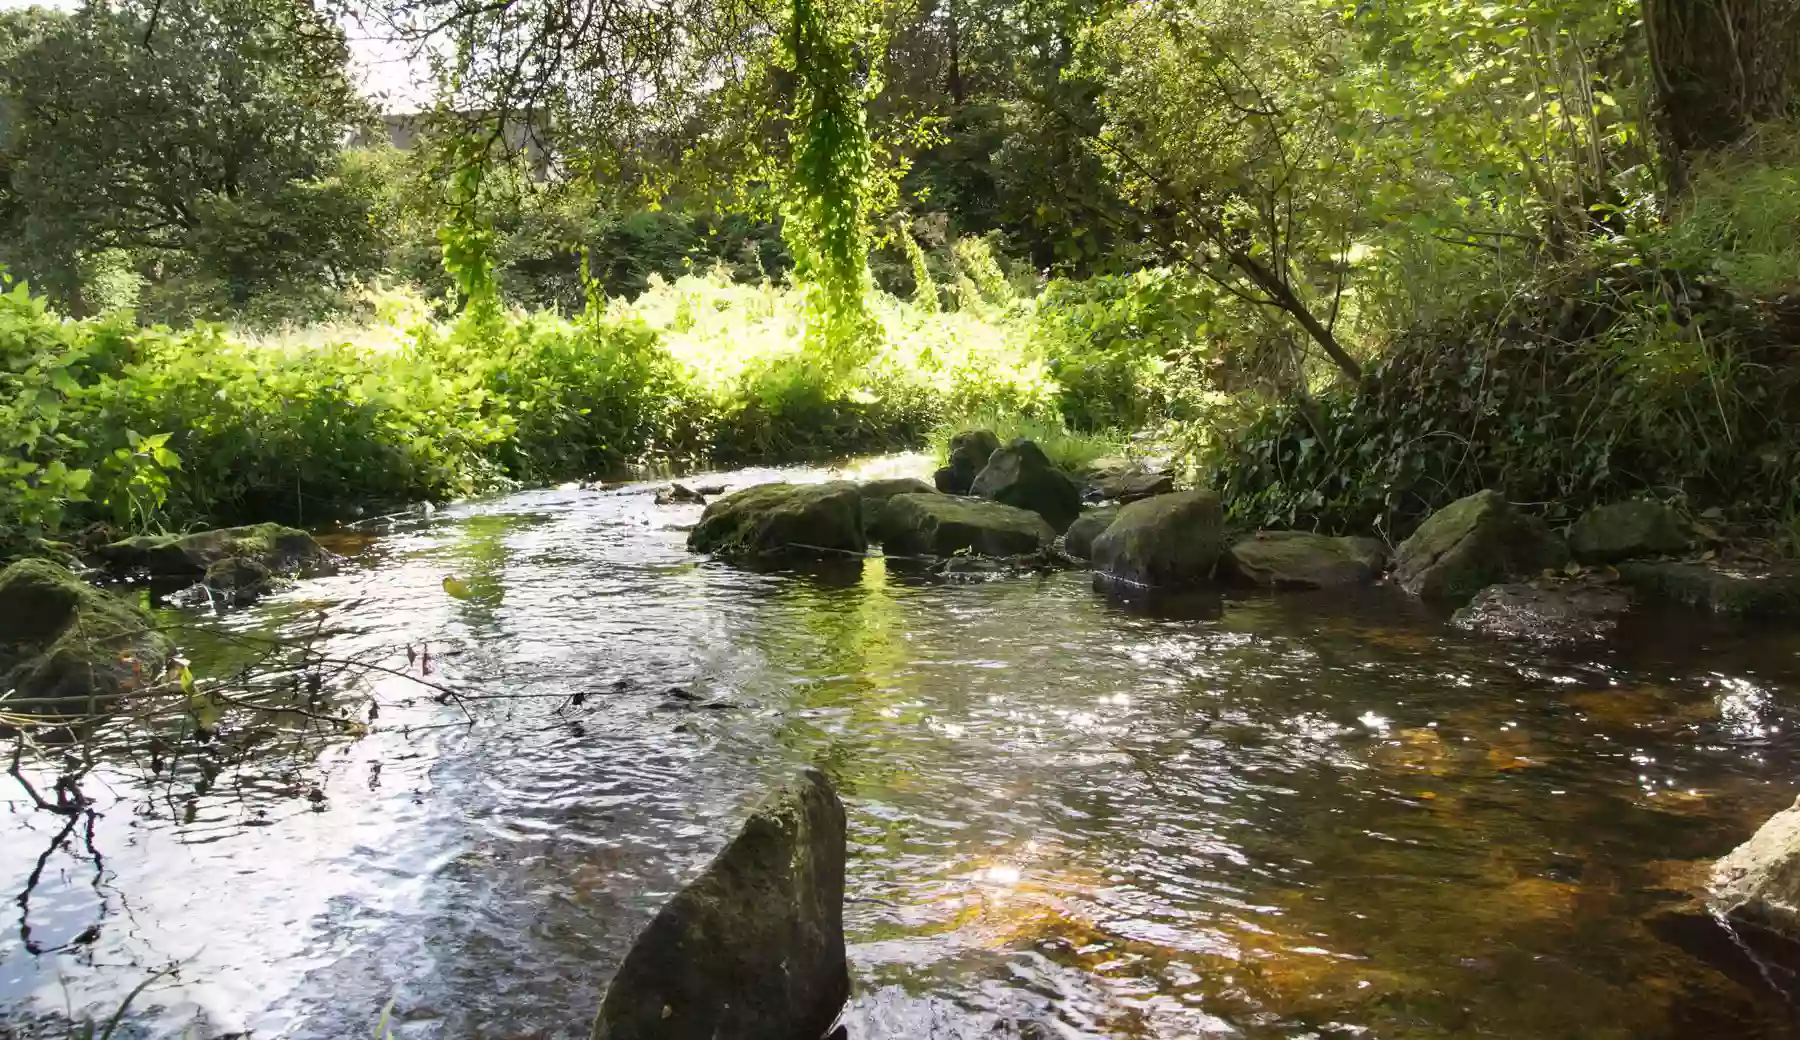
pixel 1720 65
pixel 1238 153
pixel 204 130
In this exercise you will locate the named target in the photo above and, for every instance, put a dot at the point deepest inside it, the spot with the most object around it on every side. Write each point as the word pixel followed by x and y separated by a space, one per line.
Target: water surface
pixel 1071 816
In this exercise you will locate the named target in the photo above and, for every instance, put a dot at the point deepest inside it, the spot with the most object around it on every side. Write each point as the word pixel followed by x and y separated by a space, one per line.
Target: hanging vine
pixel 832 179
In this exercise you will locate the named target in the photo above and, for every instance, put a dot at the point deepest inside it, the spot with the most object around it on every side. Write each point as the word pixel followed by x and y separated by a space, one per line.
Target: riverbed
pixel 1071 814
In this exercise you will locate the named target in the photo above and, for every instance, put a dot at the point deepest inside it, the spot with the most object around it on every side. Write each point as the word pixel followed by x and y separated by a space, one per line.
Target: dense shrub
pixel 1606 383
pixel 152 428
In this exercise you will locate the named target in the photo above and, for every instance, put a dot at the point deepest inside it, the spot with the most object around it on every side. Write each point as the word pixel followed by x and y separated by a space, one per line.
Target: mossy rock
pixel 783 520
pixel 943 525
pixel 755 946
pixel 1472 543
pixel 277 549
pixel 1022 476
pixel 1170 541
pixel 1766 592
pixel 875 495
pixel 1304 560
pixel 1078 541
pixel 969 453
pixel 1624 530
pixel 67 647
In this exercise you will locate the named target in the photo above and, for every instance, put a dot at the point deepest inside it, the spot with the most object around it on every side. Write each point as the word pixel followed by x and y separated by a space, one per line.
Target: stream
pixel 1071 815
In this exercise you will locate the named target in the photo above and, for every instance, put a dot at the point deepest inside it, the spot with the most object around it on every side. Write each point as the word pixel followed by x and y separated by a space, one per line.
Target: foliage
pixel 201 132
pixel 1126 350
pixel 150 428
pixel 1611 381
pixel 831 174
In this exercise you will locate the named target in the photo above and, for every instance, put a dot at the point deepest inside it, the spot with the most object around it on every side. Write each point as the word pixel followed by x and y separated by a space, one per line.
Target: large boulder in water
pixel 66 646
pixel 1078 541
pixel 875 495
pixel 969 453
pixel 943 525
pixel 1622 530
pixel 783 519
pixel 1304 560
pixel 1021 476
pixel 754 948
pixel 1472 543
pixel 272 547
pixel 1170 541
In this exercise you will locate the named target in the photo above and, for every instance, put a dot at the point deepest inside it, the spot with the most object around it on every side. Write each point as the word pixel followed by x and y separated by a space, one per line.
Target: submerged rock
pixel 1020 475
pixel 66 646
pixel 1623 530
pixel 1738 590
pixel 969 452
pixel 1170 541
pixel 1472 543
pixel 1303 560
pixel 754 948
pixel 274 548
pixel 1561 612
pixel 783 519
pixel 1079 539
pixel 875 495
pixel 944 525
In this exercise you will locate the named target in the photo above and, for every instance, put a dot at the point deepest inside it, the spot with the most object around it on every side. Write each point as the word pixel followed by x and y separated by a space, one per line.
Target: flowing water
pixel 1071 815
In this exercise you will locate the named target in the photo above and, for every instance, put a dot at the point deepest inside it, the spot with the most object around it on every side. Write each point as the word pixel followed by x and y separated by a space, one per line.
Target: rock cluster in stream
pixel 999 509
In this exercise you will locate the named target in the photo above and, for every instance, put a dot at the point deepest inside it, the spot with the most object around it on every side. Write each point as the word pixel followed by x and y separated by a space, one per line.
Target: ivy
pixel 831 179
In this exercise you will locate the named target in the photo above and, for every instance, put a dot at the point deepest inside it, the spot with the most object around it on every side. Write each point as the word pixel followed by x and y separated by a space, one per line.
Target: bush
pixel 1607 383
pixel 156 428
pixel 1125 349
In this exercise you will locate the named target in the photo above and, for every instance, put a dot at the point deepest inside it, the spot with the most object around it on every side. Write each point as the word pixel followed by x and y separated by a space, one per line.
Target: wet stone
pixel 1738 590
pixel 754 947
pixel 1545 612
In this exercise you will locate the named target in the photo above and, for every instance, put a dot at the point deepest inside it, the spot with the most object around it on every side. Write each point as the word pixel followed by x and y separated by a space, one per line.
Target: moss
pixel 1474 542
pixel 1168 541
pixel 1622 530
pixel 68 644
pixel 783 519
pixel 272 546
pixel 940 525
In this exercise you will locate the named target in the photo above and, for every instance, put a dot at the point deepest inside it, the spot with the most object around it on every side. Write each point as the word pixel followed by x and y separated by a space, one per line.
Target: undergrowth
pixel 153 428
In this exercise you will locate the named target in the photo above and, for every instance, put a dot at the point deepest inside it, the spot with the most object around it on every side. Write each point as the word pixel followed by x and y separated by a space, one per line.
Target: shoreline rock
pixel 968 455
pixel 1623 530
pixel 66 646
pixel 1078 541
pixel 1738 591
pixel 754 947
pixel 1472 543
pixel 1545 612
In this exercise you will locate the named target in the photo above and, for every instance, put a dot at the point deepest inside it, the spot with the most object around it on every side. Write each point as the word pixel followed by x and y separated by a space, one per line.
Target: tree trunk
pixel 956 81
pixel 1719 67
